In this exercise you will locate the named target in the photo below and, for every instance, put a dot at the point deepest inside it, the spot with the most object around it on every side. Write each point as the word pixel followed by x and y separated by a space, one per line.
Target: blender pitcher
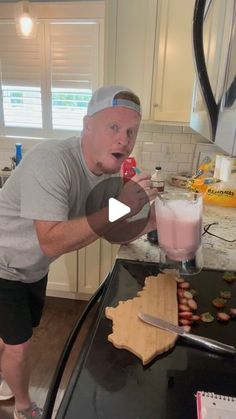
pixel 179 226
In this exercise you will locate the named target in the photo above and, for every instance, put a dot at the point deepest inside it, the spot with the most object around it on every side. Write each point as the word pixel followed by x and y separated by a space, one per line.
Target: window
pixel 47 82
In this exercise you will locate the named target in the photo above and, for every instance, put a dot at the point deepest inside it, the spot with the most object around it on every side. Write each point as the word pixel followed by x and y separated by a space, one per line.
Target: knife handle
pixel 211 344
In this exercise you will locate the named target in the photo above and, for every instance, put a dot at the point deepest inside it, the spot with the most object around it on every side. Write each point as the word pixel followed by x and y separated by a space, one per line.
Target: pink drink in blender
pixel 179 224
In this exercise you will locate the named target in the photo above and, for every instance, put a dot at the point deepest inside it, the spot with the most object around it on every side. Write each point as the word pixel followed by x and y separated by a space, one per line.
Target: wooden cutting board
pixel 158 298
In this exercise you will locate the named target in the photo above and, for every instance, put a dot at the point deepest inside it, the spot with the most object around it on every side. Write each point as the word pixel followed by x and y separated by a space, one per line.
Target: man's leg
pixel 15 364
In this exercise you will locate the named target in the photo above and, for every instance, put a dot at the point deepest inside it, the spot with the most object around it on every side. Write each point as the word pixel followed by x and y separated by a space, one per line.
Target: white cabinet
pixel 63 274
pixel 94 263
pixel 173 63
pixel 78 274
pixel 149 49
pixel 130 38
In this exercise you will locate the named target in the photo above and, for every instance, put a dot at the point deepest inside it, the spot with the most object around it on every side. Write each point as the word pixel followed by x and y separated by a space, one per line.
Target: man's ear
pixel 87 123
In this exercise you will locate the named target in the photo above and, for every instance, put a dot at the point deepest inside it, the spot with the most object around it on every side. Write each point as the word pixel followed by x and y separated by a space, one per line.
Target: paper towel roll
pixel 217 166
pixel 225 168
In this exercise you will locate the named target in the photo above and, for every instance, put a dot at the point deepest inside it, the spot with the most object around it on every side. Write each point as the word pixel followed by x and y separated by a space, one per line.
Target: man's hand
pixel 137 192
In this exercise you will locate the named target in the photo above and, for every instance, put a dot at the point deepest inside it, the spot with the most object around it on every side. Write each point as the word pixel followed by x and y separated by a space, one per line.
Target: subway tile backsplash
pixel 171 146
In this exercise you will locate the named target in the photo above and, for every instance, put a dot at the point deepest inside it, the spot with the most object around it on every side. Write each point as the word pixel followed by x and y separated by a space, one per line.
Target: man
pixel 43 215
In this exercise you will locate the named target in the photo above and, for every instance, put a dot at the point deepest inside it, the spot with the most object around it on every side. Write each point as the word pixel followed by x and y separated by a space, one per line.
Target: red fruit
pixel 219 302
pixel 180 292
pixel 195 317
pixel 185 315
pixel 192 304
pixel 229 277
pixel 184 285
pixel 179 280
pixel 223 317
pixel 184 307
pixel 184 322
pixel 187 328
pixel 232 312
pixel 183 300
pixel 225 294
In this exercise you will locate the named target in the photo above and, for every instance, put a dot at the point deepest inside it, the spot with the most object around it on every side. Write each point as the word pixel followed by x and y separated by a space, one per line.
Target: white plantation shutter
pixel 21 60
pixel 46 82
pixel 74 69
pixel 21 70
pixel 74 54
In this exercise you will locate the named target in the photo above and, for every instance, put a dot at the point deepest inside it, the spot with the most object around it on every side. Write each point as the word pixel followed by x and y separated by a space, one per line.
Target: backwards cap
pixel 105 97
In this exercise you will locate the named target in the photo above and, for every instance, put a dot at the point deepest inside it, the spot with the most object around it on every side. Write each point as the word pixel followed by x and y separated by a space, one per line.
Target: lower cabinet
pixel 78 274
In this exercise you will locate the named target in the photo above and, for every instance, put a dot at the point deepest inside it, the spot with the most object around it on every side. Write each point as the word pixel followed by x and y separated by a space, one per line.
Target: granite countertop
pixel 217 253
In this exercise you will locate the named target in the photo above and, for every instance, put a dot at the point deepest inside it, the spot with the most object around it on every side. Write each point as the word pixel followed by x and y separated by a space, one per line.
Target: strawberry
pixel 222 317
pixel 219 302
pixel 192 304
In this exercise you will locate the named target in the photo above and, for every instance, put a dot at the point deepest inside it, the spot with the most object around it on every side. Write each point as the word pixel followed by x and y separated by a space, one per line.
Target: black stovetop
pixel 109 383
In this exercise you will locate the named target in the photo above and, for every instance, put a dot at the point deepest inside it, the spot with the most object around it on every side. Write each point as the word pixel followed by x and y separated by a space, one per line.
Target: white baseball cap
pixel 105 97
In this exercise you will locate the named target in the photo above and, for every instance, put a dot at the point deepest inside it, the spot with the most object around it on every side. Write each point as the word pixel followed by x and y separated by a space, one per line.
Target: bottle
pixel 158 182
pixel 18 153
pixel 157 179
pixel 128 168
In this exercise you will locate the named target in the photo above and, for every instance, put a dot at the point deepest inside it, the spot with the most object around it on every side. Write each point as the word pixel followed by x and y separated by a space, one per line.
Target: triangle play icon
pixel 116 209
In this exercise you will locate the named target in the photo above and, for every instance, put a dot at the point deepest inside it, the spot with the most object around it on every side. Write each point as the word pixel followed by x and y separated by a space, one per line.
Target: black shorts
pixel 21 306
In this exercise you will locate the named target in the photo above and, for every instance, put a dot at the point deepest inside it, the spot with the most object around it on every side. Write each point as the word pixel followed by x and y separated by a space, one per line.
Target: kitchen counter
pixel 217 253
pixel 112 383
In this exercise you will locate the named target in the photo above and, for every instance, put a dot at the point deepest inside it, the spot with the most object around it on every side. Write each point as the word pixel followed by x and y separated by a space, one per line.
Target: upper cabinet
pixel 173 62
pixel 149 49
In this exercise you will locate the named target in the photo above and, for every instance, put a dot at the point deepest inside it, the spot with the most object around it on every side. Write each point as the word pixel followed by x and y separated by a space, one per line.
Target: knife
pixel 210 344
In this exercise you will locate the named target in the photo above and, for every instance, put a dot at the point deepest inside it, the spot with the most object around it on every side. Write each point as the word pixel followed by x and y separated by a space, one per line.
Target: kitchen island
pixel 112 383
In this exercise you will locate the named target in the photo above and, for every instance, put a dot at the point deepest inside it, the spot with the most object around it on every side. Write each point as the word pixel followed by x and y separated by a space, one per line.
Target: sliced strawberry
pixel 187 328
pixel 184 285
pixel 195 317
pixel 223 317
pixel 180 292
pixel 229 277
pixel 225 294
pixel 183 300
pixel 192 304
pixel 219 302
pixel 232 312
pixel 179 280
pixel 184 307
pixel 185 322
pixel 185 315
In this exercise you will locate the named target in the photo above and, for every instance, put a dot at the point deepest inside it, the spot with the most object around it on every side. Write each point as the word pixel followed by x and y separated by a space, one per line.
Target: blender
pixel 179 226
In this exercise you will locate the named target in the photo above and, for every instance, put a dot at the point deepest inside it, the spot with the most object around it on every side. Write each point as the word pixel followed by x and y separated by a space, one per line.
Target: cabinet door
pixel 63 273
pixel 94 263
pixel 173 71
pixel 129 49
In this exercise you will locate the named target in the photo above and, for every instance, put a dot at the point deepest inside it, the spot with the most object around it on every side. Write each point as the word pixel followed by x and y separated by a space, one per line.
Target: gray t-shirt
pixel 51 183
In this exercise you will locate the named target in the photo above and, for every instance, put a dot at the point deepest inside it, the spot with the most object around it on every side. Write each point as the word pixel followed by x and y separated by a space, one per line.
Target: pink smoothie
pixel 179 227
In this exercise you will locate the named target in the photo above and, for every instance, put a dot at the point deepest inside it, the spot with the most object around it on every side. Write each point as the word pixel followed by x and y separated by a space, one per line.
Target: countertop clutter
pixel 218 253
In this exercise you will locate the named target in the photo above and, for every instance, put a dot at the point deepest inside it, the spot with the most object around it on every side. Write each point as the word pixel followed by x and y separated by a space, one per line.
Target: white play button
pixel 116 209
